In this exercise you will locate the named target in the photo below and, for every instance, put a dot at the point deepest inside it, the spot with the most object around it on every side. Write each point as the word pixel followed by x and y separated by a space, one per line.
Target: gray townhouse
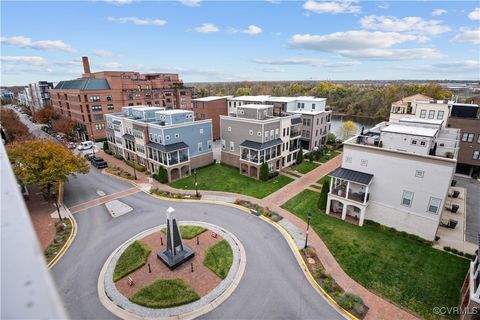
pixel 154 137
pixel 254 135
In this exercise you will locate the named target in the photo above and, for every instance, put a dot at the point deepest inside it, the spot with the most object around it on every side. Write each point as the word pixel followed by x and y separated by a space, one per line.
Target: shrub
pixel 322 200
pixel 135 165
pixel 105 145
pixel 300 156
pixel 272 175
pixel 162 175
pixel 118 156
pixel 264 172
pixel 109 152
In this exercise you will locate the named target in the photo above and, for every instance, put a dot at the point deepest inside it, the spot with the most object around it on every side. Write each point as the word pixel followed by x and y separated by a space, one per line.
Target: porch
pixel 254 154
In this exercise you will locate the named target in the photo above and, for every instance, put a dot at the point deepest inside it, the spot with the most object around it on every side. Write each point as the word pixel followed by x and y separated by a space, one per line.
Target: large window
pixel 96 108
pixel 440 115
pixel 431 114
pixel 434 205
pixel 232 146
pixel 476 155
pixel 98 117
pixel 407 198
pixel 423 113
pixel 467 137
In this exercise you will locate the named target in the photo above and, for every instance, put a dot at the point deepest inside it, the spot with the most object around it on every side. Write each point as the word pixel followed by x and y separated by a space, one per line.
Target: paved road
pixel 273 286
pixel 473 207
pixel 34 128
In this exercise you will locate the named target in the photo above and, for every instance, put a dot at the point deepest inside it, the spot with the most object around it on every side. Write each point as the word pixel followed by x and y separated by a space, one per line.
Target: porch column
pixel 344 211
pixel 330 185
pixel 348 189
pixel 178 159
pixel 188 154
pixel 327 210
pixel 365 197
pixel 362 217
pixel 168 159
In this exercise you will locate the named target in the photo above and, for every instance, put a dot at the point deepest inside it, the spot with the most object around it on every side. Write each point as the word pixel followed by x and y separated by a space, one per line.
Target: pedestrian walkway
pixel 102 200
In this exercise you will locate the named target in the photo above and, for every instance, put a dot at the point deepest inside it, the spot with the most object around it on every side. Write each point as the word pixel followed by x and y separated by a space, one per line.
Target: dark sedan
pixel 98 162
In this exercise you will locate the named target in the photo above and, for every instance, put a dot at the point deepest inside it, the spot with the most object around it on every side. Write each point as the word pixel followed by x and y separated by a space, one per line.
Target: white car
pixel 86 145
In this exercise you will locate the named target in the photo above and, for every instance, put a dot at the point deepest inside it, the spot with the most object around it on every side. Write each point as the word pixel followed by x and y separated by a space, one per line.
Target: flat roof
pixel 143 108
pixel 250 98
pixel 256 106
pixel 174 111
pixel 301 111
pixel 211 98
pixel 418 120
pixel 411 130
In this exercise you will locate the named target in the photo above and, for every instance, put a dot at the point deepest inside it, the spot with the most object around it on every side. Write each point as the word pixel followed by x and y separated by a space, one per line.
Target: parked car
pixel 86 145
pixel 71 145
pixel 89 156
pixel 98 162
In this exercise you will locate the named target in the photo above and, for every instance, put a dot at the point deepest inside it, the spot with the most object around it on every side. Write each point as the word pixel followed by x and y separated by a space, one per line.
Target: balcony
pixel 358 195
pixel 350 184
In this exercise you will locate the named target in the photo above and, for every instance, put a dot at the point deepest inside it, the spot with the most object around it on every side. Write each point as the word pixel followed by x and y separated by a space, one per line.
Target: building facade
pixel 397 175
pixel 88 99
pixel 211 108
pixel 254 136
pixel 37 95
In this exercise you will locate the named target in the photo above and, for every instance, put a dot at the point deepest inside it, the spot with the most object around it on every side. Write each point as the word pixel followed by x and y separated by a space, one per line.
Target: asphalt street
pixel 273 286
pixel 472 231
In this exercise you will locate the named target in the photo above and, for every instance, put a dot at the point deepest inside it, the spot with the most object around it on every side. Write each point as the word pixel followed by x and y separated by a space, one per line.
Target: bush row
pixel 460 253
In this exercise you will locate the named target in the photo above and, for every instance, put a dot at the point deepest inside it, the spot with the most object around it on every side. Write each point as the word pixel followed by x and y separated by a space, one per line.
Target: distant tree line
pixel 348 99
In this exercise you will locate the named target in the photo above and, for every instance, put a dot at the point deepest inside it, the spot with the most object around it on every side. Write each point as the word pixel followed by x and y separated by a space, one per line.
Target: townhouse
pixel 254 135
pixel 397 174
pixel 154 137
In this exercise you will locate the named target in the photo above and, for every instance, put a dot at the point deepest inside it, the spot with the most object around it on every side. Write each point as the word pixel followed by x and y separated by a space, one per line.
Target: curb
pixel 73 233
pixel 124 314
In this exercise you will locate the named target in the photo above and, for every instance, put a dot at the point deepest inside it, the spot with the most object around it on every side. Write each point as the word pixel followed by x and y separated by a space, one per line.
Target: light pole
pixel 309 216
pixel 54 194
pixel 134 171
pixel 196 183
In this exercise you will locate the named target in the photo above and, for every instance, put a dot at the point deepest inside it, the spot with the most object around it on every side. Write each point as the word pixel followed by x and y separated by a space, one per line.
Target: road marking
pixel 102 200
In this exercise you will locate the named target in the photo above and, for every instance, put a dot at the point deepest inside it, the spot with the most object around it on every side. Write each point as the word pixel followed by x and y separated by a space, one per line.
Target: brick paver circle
pixel 114 295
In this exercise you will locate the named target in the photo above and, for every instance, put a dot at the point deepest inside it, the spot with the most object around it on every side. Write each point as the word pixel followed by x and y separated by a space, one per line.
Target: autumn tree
pixel 14 129
pixel 347 130
pixel 46 115
pixel 243 92
pixel 66 126
pixel 44 163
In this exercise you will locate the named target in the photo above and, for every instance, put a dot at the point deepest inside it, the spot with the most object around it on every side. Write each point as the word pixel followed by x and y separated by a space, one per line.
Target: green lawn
pixel 164 294
pixel 219 258
pixel 305 167
pixel 189 232
pixel 330 155
pixel 405 271
pixel 220 177
pixel 134 257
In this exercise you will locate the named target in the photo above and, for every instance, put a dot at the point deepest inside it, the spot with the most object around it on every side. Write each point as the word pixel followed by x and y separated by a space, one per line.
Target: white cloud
pixel 331 7
pixel 207 28
pixel 120 2
pixel 407 24
pixel 475 14
pixel 102 53
pixel 314 62
pixel 383 5
pixel 439 12
pixel 467 36
pixel 24 42
pixel 31 60
pixel 252 30
pixel 364 44
pixel 462 66
pixel 190 3
pixel 273 1
pixel 138 21
pixel 448 69
pixel 272 69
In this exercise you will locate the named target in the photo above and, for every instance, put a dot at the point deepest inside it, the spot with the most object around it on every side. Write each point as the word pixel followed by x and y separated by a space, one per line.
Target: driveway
pixel 473 207
pixel 273 286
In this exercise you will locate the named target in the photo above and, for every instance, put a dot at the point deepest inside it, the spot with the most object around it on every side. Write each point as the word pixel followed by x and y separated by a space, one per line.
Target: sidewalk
pixel 379 308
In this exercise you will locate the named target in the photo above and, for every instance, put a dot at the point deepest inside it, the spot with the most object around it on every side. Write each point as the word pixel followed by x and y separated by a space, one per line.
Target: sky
pixel 207 41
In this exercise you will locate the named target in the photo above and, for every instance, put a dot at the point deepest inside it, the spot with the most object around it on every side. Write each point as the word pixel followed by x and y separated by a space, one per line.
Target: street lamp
pixel 309 216
pixel 54 194
pixel 134 171
pixel 196 183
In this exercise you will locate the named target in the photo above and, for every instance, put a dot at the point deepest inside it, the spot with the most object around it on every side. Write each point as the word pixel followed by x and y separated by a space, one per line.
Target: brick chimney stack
pixel 86 65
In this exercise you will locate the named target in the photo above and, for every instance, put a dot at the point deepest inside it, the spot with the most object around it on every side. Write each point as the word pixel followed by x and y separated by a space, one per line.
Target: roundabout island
pixel 173 270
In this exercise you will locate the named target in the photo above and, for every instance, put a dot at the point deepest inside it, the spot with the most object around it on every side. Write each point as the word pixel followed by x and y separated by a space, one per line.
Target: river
pixel 360 122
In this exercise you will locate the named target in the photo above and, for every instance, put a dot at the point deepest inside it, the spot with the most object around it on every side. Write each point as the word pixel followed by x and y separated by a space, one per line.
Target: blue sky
pixel 242 40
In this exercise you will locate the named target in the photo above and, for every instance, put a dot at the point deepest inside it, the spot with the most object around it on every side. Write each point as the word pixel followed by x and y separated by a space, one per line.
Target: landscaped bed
pixel 189 232
pixel 258 210
pixel 220 177
pixel 119 172
pixel 134 257
pixel 219 258
pixel 165 293
pixel 329 155
pixel 399 267
pixel 173 195
pixel 305 167
pixel 63 229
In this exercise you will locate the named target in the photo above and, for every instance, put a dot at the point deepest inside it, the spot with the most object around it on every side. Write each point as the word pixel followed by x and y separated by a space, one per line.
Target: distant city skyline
pixel 235 41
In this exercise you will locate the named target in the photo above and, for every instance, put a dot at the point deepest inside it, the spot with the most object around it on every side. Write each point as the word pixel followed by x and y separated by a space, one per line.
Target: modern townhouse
pixel 211 108
pixel 253 136
pixel 154 137
pixel 397 174
pixel 422 109
pixel 403 108
pixel 234 102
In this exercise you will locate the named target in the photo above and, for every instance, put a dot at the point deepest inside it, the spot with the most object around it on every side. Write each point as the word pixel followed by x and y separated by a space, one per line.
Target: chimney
pixel 86 65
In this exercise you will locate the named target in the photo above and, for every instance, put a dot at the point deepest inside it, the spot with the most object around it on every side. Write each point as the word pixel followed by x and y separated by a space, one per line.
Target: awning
pixel 168 147
pixel 260 146
pixel 352 175
pixel 296 120
pixel 130 137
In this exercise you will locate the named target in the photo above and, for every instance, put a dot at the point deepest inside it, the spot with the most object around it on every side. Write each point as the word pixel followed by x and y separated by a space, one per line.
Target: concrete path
pixel 473 207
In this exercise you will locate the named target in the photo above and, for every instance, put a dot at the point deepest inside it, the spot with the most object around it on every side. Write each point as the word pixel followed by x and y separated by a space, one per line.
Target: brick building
pixel 211 108
pixel 87 99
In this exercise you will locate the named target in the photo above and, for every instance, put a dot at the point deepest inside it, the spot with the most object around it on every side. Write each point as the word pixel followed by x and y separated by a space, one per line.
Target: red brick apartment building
pixel 211 108
pixel 87 99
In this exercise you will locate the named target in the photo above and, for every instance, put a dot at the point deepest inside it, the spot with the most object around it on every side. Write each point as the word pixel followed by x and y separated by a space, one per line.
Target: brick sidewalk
pixel 380 309
pixel 40 213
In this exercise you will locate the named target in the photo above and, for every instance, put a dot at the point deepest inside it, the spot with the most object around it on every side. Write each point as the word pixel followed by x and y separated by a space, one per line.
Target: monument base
pixel 174 261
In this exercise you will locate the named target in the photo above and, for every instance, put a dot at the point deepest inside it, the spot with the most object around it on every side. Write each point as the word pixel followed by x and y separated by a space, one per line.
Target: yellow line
pixel 65 246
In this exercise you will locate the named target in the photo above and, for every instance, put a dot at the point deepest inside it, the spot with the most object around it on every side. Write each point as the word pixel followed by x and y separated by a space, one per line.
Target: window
pixel 419 173
pixel 266 136
pixel 313 106
pixel 276 133
pixel 151 136
pixel 259 133
pixel 94 98
pixel 201 131
pixel 209 144
pixel 364 162
pixel 423 113
pixel 109 98
pixel 96 108
pixel 250 132
pixel 229 128
pixel 167 137
pixel 223 144
pixel 177 136
pixel 348 159
pixel 99 126
pixel 434 205
pixel 232 146
pixel 476 155
pixel 440 115
pixel 110 107
pixel 407 198
pixel 98 117
pixel 414 141
pixel 431 114
pixel 200 147
pixel 468 137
